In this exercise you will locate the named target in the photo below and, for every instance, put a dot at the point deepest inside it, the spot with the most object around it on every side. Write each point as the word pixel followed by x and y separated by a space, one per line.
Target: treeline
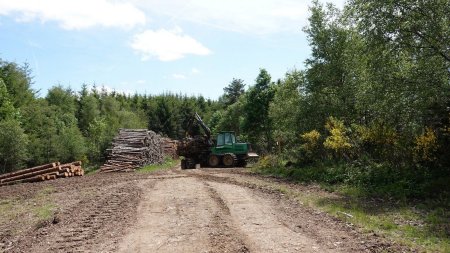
pixel 66 125
pixel 372 106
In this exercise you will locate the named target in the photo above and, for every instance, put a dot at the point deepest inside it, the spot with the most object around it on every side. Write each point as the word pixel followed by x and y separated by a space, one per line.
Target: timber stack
pixel 169 147
pixel 43 172
pixel 133 148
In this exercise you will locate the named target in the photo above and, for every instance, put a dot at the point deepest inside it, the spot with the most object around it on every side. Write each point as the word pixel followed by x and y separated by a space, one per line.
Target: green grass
pixel 91 170
pixel 421 224
pixel 167 164
pixel 44 207
pixel 34 211
pixel 45 211
pixel 404 223
pixel 6 209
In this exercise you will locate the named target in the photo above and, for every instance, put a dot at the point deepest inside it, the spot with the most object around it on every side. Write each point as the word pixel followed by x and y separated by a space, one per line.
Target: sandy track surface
pixel 202 210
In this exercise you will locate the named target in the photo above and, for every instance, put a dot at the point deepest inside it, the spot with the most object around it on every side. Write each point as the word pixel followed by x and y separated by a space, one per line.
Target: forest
pixel 370 107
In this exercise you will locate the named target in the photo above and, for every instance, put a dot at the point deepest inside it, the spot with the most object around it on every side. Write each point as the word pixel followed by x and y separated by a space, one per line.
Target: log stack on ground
pixel 169 147
pixel 133 148
pixel 43 172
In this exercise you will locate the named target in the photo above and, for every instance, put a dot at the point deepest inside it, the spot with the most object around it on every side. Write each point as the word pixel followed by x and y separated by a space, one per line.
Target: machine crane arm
pixel 203 125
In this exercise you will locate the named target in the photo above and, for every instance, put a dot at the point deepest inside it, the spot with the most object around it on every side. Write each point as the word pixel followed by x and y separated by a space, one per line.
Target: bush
pixel 338 141
pixel 268 162
pixel 311 145
pixel 426 146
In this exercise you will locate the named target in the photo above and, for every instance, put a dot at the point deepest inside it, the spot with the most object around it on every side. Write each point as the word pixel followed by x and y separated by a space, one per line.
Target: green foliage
pixel 88 111
pixel 166 119
pixel 18 81
pixel 257 122
pixel 383 69
pixel 41 123
pixel 419 26
pixel 232 118
pixel 98 139
pixel 285 110
pixel 63 99
pixel 214 122
pixel 72 145
pixel 7 110
pixel 233 91
pixel 13 146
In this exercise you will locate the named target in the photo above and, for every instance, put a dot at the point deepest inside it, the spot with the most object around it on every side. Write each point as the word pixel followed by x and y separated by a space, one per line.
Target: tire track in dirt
pixel 96 224
pixel 182 214
pixel 174 216
pixel 327 231
pixel 255 217
pixel 224 238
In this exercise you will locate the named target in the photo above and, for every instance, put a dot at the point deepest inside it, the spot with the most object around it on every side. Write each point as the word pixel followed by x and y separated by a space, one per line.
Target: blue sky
pixel 183 46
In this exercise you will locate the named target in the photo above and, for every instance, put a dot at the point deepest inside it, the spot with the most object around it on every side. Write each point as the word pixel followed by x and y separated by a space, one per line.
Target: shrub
pixel 338 141
pixel 268 162
pixel 378 141
pixel 426 146
pixel 310 148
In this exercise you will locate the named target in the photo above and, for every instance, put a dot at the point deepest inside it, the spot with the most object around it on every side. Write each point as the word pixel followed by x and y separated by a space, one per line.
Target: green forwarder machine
pixel 221 152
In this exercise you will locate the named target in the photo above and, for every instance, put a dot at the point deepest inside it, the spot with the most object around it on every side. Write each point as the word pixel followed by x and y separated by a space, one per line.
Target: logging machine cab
pixel 229 152
pixel 226 143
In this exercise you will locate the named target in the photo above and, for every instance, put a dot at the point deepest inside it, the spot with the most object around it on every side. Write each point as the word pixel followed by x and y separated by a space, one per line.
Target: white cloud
pixel 195 71
pixel 249 16
pixel 75 14
pixel 141 81
pixel 166 45
pixel 179 76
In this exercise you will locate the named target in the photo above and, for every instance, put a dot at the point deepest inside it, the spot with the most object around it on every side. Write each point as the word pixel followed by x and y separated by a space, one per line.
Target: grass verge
pixel 421 224
pixel 168 163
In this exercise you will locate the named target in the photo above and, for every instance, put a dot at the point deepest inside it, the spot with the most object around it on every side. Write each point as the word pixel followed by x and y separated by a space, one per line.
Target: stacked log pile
pixel 133 148
pixel 43 172
pixel 169 147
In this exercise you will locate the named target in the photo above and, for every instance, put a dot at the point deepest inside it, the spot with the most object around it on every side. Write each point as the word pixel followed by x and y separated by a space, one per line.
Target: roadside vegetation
pixel 387 211
pixel 168 163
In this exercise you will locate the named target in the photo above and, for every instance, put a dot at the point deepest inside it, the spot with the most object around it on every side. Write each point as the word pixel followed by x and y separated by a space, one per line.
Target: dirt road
pixel 206 210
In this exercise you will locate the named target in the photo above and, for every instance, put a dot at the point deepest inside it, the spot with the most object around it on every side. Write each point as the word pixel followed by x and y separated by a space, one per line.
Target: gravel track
pixel 201 210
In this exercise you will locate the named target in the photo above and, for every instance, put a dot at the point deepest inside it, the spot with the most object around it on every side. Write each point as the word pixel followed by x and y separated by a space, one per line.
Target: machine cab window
pixel 229 138
pixel 225 139
pixel 220 140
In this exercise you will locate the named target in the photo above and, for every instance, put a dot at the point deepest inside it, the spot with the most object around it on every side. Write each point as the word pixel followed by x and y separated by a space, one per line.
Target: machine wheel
pixel 183 164
pixel 213 161
pixel 229 160
pixel 190 163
